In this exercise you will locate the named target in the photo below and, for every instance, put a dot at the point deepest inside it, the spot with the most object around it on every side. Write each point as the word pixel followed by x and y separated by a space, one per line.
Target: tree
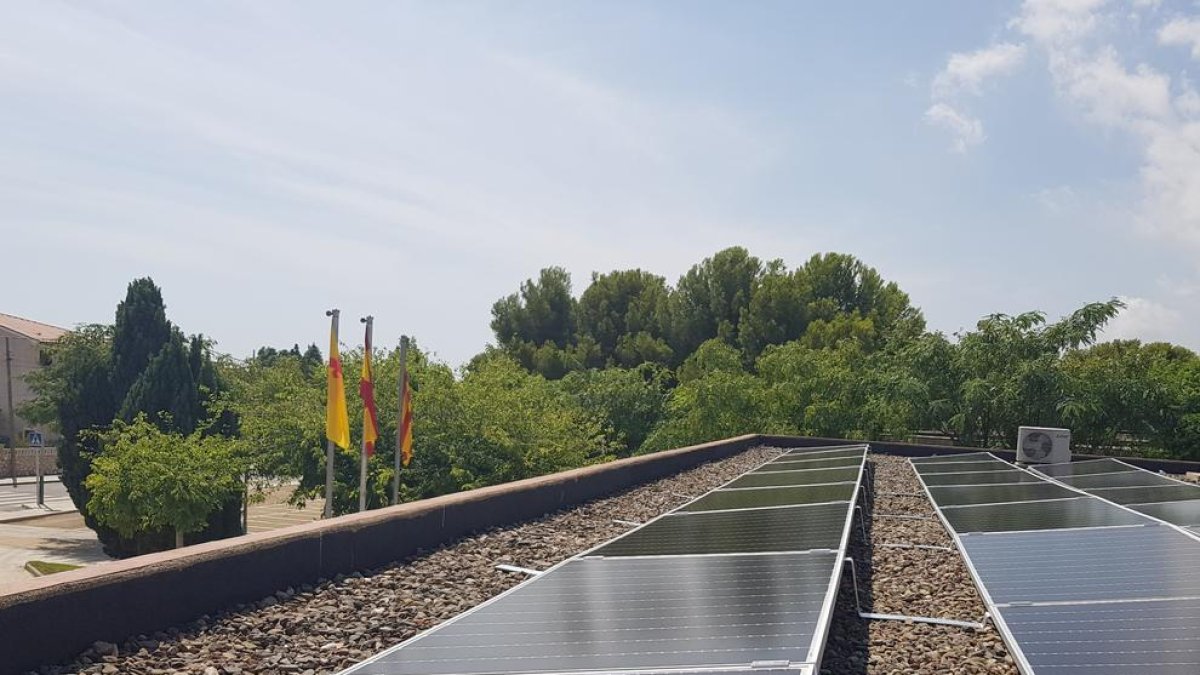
pixel 75 394
pixel 167 385
pixel 842 284
pixel 711 298
pixel 543 312
pixel 778 310
pixel 147 480
pixel 627 402
pixel 142 364
pixel 139 333
pixel 625 313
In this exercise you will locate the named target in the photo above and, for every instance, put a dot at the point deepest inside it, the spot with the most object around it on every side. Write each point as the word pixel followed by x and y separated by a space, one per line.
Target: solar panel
pixel 1106 465
pixel 758 497
pixel 981 478
pixel 825 454
pixel 964 457
pixel 994 494
pixel 1115 479
pixel 756 479
pixel 827 450
pixel 792 528
pixel 1108 563
pixel 1179 513
pixel 1073 582
pixel 811 465
pixel 1057 513
pixel 746 588
pixel 962 467
pixel 1112 638
pixel 852 456
pixel 1146 495
pixel 602 615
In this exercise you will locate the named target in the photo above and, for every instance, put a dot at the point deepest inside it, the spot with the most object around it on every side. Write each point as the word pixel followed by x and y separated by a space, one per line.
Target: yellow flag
pixel 404 432
pixel 337 422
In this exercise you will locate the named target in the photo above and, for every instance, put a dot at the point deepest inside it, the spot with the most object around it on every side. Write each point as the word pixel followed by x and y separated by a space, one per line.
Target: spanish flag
pixel 337 423
pixel 404 431
pixel 366 389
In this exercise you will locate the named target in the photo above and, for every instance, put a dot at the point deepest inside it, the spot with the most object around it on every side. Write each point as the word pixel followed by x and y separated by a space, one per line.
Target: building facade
pixel 23 349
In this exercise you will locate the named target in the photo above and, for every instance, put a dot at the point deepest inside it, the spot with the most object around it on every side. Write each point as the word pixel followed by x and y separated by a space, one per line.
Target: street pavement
pixel 20 499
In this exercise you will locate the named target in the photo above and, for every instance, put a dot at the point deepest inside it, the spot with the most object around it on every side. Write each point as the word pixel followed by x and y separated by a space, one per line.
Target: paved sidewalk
pixel 57 538
pixel 62 536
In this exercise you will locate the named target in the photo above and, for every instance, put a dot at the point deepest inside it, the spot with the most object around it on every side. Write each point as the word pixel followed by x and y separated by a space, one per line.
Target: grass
pixel 40 568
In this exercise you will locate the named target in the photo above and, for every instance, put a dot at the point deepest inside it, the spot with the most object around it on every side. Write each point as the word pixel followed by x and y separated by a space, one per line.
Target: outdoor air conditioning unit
pixel 1043 445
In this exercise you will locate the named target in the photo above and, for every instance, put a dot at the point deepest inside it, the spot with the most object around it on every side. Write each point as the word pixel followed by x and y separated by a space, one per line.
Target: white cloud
pixel 966 130
pixel 1146 320
pixel 1182 32
pixel 1057 20
pixel 1160 113
pixel 1109 93
pixel 966 72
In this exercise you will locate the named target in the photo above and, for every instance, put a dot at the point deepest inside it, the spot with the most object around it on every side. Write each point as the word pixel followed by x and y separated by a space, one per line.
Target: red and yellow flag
pixel 404 432
pixel 337 423
pixel 366 389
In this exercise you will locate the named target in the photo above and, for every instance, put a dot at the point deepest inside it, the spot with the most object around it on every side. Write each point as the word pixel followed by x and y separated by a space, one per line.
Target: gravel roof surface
pixel 912 582
pixel 331 625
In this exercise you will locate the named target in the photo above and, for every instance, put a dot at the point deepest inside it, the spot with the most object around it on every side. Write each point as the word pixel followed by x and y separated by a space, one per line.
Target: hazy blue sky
pixel 264 161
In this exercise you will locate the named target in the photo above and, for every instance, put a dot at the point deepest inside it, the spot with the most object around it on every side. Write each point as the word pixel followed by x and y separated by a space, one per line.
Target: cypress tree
pixel 166 390
pixel 140 331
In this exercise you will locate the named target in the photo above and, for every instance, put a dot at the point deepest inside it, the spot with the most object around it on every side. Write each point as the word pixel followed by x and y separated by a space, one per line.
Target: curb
pixel 18 516
pixel 30 480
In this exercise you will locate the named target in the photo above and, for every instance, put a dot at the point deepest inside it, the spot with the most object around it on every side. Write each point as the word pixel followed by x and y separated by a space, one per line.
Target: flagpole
pixel 362 465
pixel 400 418
pixel 335 313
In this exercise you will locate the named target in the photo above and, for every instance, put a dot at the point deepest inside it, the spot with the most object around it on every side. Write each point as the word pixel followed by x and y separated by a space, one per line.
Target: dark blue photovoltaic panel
pixel 777 478
pixel 1117 479
pixel 962 467
pixel 1116 638
pixel 791 528
pixel 741 579
pixel 1054 514
pixel 608 614
pixel 981 478
pixel 1147 495
pixel 1115 563
pixel 1081 468
pixel 1176 513
pixel 994 494
pixel 963 457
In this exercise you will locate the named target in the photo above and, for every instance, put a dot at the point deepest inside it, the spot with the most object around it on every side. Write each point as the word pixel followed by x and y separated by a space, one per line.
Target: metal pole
pixel 12 416
pixel 400 417
pixel 335 313
pixel 362 463
pixel 328 479
pixel 41 486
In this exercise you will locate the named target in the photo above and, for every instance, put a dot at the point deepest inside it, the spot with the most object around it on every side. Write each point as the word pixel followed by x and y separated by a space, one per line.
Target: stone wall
pixel 26 461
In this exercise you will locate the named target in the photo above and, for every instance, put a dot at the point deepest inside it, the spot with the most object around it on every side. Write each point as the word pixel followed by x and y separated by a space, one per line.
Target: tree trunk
pixel 178 538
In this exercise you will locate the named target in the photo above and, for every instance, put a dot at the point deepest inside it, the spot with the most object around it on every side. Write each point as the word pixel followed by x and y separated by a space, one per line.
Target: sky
pixel 265 161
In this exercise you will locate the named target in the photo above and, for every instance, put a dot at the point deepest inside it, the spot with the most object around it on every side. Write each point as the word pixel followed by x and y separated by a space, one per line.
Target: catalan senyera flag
pixel 366 389
pixel 337 422
pixel 404 432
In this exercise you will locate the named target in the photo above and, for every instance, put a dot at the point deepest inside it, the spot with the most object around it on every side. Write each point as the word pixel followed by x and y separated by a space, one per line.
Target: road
pixel 24 496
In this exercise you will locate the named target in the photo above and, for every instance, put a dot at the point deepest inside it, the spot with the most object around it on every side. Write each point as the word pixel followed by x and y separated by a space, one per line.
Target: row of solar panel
pixel 1143 491
pixel 691 589
pixel 1078 583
